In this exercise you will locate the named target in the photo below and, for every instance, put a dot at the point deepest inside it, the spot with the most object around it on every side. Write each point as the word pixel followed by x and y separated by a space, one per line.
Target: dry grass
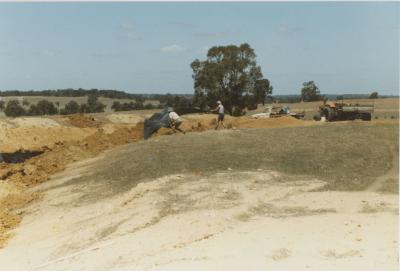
pixel 348 156
pixel 390 185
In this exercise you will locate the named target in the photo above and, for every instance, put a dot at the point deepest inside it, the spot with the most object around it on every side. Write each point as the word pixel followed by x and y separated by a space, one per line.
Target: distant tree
pixel 168 99
pixel 374 95
pixel 72 107
pixel 116 106
pixel 14 109
pixel 84 108
pixel 92 99
pixel 25 102
pixel 32 111
pixel 43 107
pixel 310 92
pixel 2 105
pixel 148 106
pixel 139 105
pixel 57 104
pixel 139 99
pixel 230 73
pixel 181 102
pixel 92 105
pixel 339 97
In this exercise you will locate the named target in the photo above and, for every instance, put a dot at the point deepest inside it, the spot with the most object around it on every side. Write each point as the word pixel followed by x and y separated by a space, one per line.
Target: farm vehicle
pixel 344 111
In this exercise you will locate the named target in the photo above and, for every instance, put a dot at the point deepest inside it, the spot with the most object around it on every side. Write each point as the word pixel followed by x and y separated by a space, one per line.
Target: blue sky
pixel 148 47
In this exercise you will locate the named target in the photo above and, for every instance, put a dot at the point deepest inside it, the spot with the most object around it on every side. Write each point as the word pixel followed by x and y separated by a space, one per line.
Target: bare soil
pixel 73 138
pixel 230 220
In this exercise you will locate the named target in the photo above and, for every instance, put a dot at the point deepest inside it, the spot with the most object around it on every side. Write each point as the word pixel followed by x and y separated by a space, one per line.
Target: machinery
pixel 276 112
pixel 344 111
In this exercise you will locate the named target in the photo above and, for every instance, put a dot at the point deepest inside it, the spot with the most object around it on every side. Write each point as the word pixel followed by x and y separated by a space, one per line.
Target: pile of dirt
pixel 127 118
pixel 54 159
pixel 245 122
pixel 36 138
pixel 62 145
pixel 9 218
pixel 34 122
pixel 200 123
pixel 82 121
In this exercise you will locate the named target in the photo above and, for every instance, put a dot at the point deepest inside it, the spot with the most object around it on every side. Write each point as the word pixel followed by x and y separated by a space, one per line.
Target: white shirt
pixel 173 116
pixel 221 109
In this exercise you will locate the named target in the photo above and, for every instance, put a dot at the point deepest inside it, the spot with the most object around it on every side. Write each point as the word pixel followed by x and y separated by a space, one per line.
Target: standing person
pixel 174 120
pixel 221 114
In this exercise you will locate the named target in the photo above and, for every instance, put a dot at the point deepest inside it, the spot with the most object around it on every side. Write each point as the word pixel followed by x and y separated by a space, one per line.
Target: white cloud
pixel 172 49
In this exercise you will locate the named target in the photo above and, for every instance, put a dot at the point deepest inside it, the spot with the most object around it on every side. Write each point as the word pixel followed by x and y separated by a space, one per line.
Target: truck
pixel 334 111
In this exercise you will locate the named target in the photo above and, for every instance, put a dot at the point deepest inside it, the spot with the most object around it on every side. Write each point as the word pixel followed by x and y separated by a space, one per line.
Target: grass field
pixel 348 156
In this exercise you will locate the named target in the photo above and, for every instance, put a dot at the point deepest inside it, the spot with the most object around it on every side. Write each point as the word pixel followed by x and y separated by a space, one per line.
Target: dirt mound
pixel 62 145
pixel 9 219
pixel 54 159
pixel 127 118
pixel 35 121
pixel 200 123
pixel 35 138
pixel 83 121
pixel 246 122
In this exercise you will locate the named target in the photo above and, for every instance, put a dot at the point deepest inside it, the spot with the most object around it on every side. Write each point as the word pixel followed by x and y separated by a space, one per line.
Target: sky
pixel 344 47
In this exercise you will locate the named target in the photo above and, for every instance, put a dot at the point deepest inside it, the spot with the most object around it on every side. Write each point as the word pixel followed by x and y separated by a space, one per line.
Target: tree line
pixel 15 108
pixel 70 92
pixel 112 94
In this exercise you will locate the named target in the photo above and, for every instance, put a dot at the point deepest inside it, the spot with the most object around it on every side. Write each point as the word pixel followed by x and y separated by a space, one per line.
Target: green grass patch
pixel 348 156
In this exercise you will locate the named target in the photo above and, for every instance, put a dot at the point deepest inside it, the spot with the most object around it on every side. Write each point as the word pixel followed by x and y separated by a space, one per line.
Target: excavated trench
pixel 18 157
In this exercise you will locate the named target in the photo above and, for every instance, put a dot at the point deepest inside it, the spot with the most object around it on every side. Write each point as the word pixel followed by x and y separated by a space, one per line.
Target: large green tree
pixel 310 92
pixel 230 74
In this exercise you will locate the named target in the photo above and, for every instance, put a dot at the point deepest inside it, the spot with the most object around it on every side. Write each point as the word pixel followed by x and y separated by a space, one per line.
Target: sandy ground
pixel 66 139
pixel 229 220
pixel 225 221
pixel 33 133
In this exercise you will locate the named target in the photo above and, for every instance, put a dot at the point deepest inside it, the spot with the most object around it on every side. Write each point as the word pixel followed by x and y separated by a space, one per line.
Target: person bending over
pixel 174 120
